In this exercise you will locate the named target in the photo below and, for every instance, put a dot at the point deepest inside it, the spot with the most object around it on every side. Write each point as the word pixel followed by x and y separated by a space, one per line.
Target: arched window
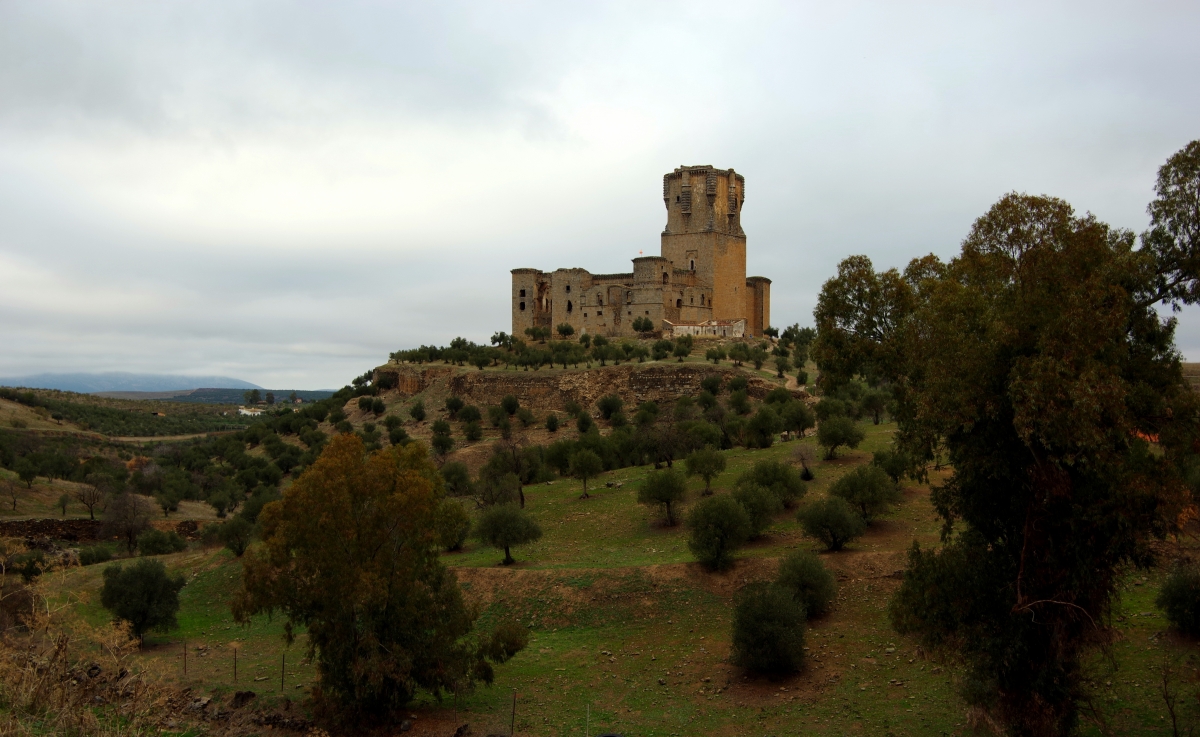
pixel 678 303
pixel 664 277
pixel 569 306
pixel 701 300
pixel 693 264
pixel 629 297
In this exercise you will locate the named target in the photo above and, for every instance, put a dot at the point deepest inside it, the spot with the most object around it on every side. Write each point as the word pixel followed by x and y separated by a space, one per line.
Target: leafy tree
pixel 584 422
pixel 143 595
pixel 472 431
pixel 764 426
pixel 832 521
pixel 349 555
pixel 270 398
pixel 868 489
pixel 796 417
pixel 874 403
pixel 809 581
pixel 470 413
pixel 397 436
pixel 565 330
pixel 453 524
pixel 252 397
pixel 768 630
pixel 505 525
pixel 782 364
pixel 717 525
pixel 27 471
pixel 777 477
pixel 1036 359
pixel 585 464
pixel 758 357
pixel 159 542
pixel 609 404
pixel 838 431
pixel 509 404
pixel 739 402
pixel 1179 599
pixel 64 500
pixel 441 444
pixel 707 463
pixel 552 422
pixel 760 506
pixel 236 534
pixel 716 355
pixel 682 350
pixel 453 405
pixel 417 411
pixel 126 516
pixel 457 478
pixel 663 488
pixel 526 417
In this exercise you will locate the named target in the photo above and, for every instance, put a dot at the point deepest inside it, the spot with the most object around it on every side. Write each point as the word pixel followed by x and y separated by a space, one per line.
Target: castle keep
pixel 697 285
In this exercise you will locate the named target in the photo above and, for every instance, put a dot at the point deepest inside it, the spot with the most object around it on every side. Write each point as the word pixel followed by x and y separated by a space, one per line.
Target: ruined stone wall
pixel 411 380
pixel 758 304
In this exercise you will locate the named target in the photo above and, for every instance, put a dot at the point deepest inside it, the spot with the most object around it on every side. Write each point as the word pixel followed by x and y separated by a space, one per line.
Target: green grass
pixel 607 578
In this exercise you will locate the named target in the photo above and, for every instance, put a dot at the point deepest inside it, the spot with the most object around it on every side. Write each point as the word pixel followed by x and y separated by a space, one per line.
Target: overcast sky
pixel 285 192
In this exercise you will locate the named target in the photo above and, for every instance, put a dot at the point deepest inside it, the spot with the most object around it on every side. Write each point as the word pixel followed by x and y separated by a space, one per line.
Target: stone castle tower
pixel 697 285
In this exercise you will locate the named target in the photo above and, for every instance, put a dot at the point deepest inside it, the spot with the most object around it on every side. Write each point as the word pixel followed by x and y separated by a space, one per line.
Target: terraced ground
pixel 629 635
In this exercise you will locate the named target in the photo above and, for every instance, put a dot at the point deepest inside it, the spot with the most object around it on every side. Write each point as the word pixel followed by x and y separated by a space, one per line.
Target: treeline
pixel 790 349
pixel 119 422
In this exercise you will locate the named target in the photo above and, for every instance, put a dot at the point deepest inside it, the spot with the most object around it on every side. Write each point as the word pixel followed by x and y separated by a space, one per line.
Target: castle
pixel 698 285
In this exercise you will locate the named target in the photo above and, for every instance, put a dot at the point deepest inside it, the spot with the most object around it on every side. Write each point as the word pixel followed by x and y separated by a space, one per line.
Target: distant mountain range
pixel 125 382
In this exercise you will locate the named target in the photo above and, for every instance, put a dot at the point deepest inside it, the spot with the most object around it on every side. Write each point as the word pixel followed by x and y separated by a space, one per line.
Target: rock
pixel 241 698
pixel 463 731
pixel 405 725
pixel 662 682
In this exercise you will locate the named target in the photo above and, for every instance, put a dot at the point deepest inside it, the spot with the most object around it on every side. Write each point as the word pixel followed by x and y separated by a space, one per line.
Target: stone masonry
pixel 699 276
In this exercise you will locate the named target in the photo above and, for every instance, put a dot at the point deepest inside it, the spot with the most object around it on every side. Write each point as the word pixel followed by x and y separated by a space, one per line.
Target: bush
pixel 236 535
pixel 584 422
pixel 738 384
pixel 453 405
pixel 210 535
pixel 504 526
pixel 739 401
pixel 398 436
pixel 158 542
pixel 470 413
pixel 452 524
pixel 836 432
pixel 94 554
pixel 417 411
pixel 30 564
pixel 711 384
pixel 763 427
pixel 768 630
pixel 441 444
pixel 1180 599
pixel 526 417
pixel 868 489
pixel 552 422
pixel 832 521
pixel 760 506
pixel 894 463
pixel 809 581
pixel 779 478
pixel 718 525
pixel 472 431
pixel 608 405
pixel 509 404
pixel 663 488
pixel 143 595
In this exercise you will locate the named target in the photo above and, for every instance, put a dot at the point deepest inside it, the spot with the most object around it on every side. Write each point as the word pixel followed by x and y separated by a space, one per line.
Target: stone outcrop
pixel 551 390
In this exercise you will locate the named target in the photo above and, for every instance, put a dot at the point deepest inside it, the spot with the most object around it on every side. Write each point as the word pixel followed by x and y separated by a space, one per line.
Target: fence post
pixel 282 668
pixel 185 657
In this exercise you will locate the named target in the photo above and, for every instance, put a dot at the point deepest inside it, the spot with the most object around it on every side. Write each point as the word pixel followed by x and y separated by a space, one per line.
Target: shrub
pixel 441 444
pixel 364 404
pixel 738 384
pixel 29 564
pixel 392 421
pixel 572 408
pixel 768 630
pixel 763 427
pixel 779 478
pixel 868 489
pixel 711 384
pixel 505 525
pixel 894 463
pixel 552 422
pixel 470 413
pixel 210 535
pixel 472 431
pixel 832 521
pixel 609 404
pixel 1180 599
pixel 457 478
pixel 158 542
pixel 526 417
pixel 452 524
pixel 496 415
pixel 739 401
pixel 836 432
pixel 584 422
pixel 143 595
pixel 378 407
pixel 663 488
pixel 810 582
pixel 718 525
pixel 509 404
pixel 417 411
pixel 440 427
pixel 760 506
pixel 830 407
pixel 397 436
pixel 94 554
pixel 453 405
pixel 236 535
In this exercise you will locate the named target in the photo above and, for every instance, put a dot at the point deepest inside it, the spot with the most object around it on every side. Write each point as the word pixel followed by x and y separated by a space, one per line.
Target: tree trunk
pixel 508 559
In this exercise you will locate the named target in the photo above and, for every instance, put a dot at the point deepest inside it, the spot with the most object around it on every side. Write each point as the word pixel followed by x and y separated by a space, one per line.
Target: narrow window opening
pixel 647 312
pixel 522 307
pixel 664 277
pixel 678 303
pixel 693 264
pixel 599 312
pixel 569 306
pixel 522 292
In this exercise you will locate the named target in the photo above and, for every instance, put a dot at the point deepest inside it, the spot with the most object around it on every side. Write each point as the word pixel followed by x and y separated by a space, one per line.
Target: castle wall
pixel 758 304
